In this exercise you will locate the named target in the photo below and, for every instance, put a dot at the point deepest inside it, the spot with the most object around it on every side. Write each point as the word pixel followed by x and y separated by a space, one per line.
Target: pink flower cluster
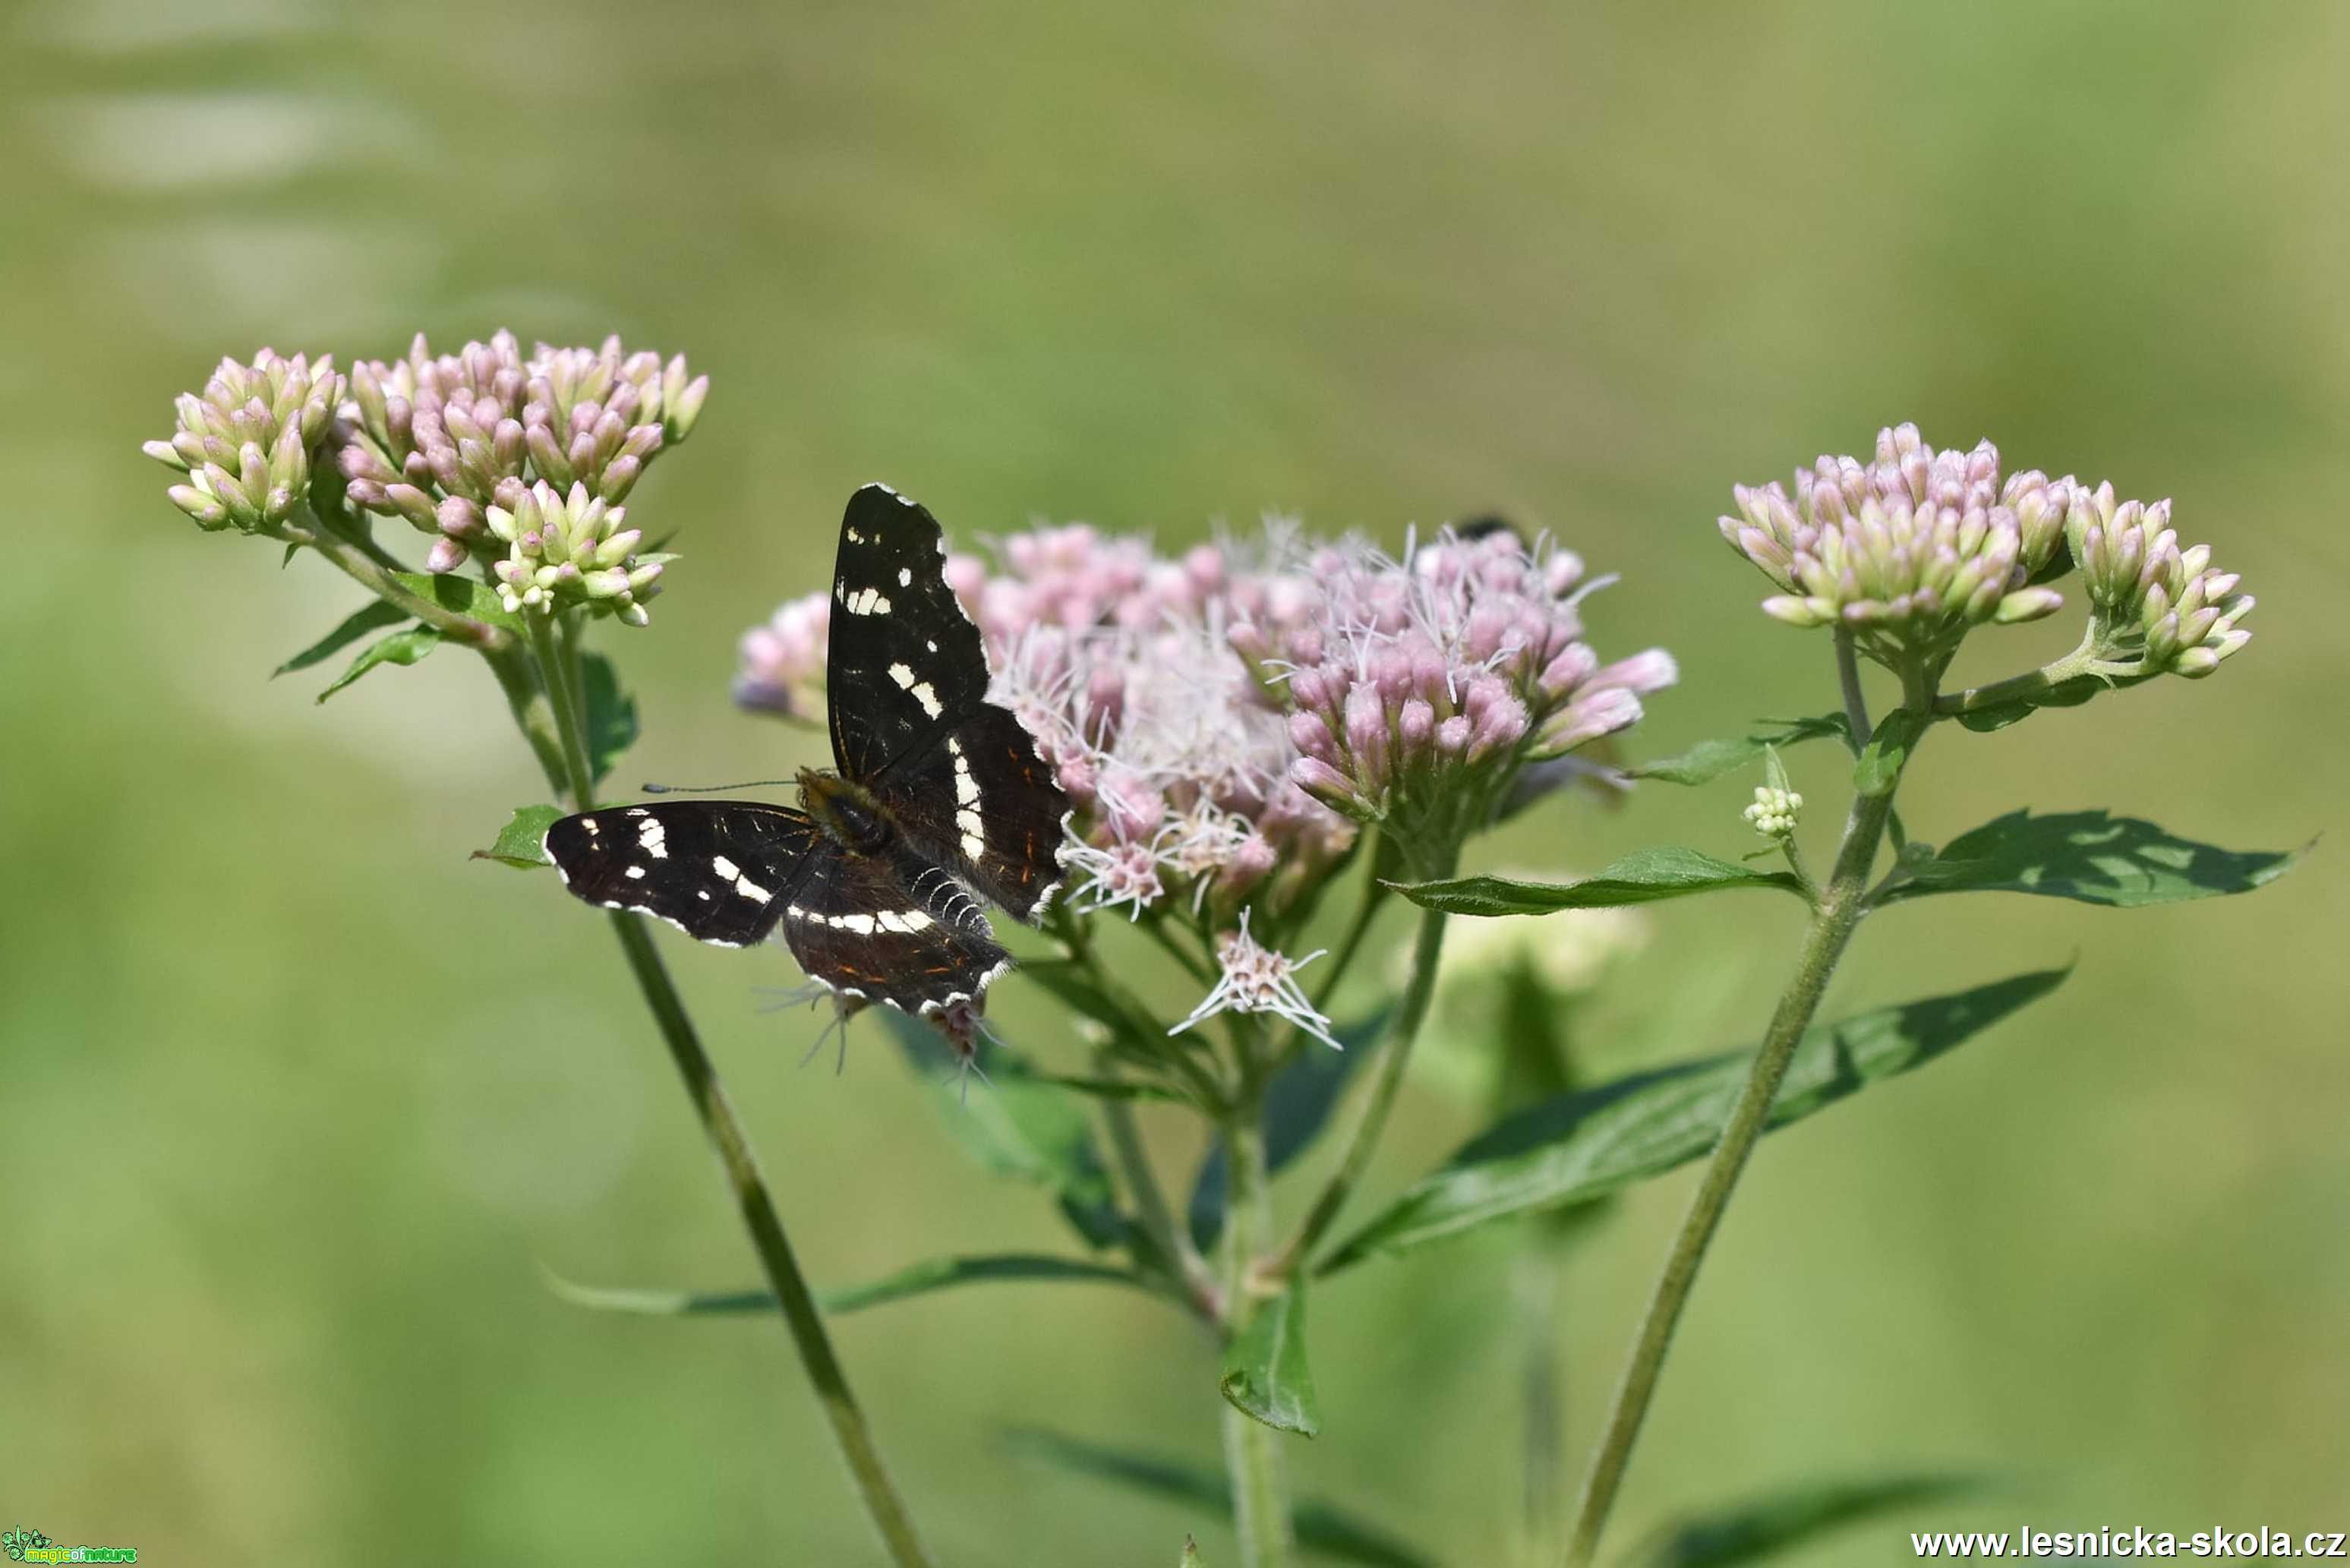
pixel 1223 720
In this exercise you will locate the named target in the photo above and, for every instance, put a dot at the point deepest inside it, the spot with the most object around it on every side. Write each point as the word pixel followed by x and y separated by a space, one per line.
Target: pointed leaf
pixel 611 714
pixel 1190 1558
pixel 1879 767
pixel 1266 1373
pixel 1018 1125
pixel 1762 1528
pixel 522 842
pixel 1643 877
pixel 1322 1528
pixel 371 617
pixel 1578 1146
pixel 1709 760
pixel 2090 857
pixel 917 1279
pixel 399 647
pixel 465 594
pixel 1297 1106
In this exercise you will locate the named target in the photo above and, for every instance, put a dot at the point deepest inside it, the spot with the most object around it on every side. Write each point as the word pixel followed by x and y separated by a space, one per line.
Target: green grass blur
pixel 297 1100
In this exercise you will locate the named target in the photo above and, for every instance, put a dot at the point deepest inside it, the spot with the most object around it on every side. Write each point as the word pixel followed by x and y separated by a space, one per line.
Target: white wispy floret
pixel 1256 978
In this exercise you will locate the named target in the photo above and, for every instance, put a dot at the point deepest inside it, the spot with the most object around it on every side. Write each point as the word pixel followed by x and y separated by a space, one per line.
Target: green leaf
pixel 1580 1146
pixel 917 1279
pixel 522 842
pixel 1190 1558
pixel 611 714
pixel 1709 760
pixel 1643 877
pixel 369 616
pixel 399 647
pixel 1764 1527
pixel 1879 767
pixel 2091 856
pixel 1019 1124
pixel 1265 1374
pixel 465 594
pixel 1322 1528
pixel 1297 1106
pixel 2064 694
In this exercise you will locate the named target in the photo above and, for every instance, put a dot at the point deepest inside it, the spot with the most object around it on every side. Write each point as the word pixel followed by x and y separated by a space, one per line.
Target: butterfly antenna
pixel 650 788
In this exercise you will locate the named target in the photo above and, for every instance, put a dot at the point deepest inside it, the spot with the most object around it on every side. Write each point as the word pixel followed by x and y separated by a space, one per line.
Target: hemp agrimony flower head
pixel 2169 605
pixel 1775 811
pixel 564 550
pixel 248 441
pixel 1418 689
pixel 438 439
pixel 1910 551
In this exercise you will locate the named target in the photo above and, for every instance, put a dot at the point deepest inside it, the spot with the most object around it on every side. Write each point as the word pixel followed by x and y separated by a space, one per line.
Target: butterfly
pixel 937 801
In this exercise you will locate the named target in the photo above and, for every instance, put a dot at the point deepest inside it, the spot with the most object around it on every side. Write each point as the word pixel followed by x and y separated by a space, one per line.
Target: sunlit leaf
pixel 1643 877
pixel 917 1279
pixel 464 594
pixel 1709 760
pixel 373 615
pixel 2091 856
pixel 399 647
pixel 1576 1147
pixel 522 842
pixel 1323 1529
pixel 1762 1528
pixel 1266 1374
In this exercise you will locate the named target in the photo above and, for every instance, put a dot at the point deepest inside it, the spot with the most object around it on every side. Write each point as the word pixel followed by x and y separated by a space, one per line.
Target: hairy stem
pixel 1200 1288
pixel 2086 660
pixel 1855 702
pixel 1253 1456
pixel 1839 908
pixel 363 567
pixel 1386 1082
pixel 559 682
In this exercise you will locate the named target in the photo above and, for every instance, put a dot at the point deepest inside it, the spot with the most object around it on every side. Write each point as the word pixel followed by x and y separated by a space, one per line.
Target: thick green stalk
pixel 1252 1449
pixel 1363 1140
pixel 363 567
pixel 559 681
pixel 1838 911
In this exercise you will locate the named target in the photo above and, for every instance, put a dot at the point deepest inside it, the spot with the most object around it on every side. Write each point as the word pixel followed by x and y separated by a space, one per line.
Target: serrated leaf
pixel 1879 767
pixel 1322 1527
pixel 1709 760
pixel 1267 1376
pixel 1581 1146
pixel 1643 877
pixel 465 594
pixel 2091 856
pixel 369 616
pixel 1762 1528
pixel 1018 1125
pixel 916 1279
pixel 1297 1106
pixel 399 647
pixel 611 714
pixel 522 842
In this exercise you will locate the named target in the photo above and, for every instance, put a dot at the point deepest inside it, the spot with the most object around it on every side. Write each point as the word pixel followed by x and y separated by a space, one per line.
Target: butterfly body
pixel 938 802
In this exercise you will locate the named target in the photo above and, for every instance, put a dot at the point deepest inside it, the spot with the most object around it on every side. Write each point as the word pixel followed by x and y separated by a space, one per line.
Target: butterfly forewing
pixel 722 871
pixel 905 665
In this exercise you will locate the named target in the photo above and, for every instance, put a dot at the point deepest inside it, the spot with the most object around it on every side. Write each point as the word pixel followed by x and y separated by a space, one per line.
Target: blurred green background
pixel 298 1100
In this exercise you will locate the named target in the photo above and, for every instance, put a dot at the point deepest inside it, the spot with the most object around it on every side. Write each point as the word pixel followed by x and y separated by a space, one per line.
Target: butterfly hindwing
pixel 985 802
pixel 890 927
pixel 905 664
pixel 721 870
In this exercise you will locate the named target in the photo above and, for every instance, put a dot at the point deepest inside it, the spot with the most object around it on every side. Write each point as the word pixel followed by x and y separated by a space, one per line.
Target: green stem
pixel 1541 1406
pixel 2086 660
pixel 560 684
pixel 1375 898
pixel 1253 1457
pixel 1855 702
pixel 363 568
pixel 1200 1288
pixel 1838 910
pixel 1362 1141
